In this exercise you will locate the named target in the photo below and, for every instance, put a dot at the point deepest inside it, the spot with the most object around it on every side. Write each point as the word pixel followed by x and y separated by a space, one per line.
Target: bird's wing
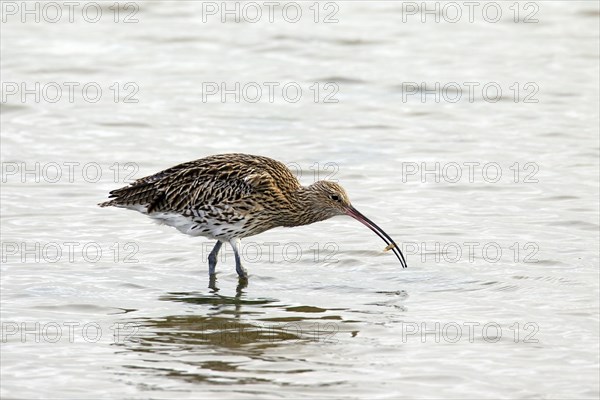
pixel 212 181
pixel 195 188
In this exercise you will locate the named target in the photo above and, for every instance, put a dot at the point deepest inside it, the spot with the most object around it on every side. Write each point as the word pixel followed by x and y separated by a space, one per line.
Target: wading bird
pixel 228 197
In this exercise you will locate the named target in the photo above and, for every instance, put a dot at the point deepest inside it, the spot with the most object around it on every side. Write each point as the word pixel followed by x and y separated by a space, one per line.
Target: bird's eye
pixel 335 197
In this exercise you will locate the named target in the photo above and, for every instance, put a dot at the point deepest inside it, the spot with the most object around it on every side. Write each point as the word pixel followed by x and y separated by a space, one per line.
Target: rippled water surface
pixel 500 299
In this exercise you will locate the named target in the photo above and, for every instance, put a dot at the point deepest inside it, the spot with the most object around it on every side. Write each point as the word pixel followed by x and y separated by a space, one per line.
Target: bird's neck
pixel 303 209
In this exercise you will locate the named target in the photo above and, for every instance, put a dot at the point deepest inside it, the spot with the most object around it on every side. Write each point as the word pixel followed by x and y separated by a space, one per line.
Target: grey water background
pixel 326 313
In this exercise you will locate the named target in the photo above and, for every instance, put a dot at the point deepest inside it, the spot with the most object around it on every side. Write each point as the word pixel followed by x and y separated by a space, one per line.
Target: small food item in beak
pixel 389 247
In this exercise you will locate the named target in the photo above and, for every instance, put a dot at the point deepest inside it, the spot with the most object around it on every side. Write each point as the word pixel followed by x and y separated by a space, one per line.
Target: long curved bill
pixel 391 245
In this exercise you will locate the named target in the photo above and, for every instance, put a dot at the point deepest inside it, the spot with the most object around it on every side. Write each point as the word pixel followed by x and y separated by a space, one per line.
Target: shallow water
pixel 500 299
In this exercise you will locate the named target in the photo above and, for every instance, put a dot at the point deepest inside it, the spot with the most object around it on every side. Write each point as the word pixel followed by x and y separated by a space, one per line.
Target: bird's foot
pixel 212 282
pixel 242 273
pixel 242 284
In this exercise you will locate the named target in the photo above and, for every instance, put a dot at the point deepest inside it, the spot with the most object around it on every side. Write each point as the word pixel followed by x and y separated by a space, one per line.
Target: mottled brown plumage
pixel 231 196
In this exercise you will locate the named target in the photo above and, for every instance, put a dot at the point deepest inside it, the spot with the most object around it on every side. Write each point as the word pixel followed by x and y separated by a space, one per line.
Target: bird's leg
pixel 235 244
pixel 212 257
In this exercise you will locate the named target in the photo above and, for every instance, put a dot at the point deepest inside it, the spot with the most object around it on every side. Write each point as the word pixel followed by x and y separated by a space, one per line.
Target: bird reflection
pixel 214 328
pixel 219 320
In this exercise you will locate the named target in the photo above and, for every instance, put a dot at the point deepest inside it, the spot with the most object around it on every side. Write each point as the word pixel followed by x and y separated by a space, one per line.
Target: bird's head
pixel 330 199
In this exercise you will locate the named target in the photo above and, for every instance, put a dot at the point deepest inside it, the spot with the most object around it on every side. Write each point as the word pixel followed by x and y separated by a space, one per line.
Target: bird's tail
pixel 145 192
pixel 108 203
pixel 137 196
